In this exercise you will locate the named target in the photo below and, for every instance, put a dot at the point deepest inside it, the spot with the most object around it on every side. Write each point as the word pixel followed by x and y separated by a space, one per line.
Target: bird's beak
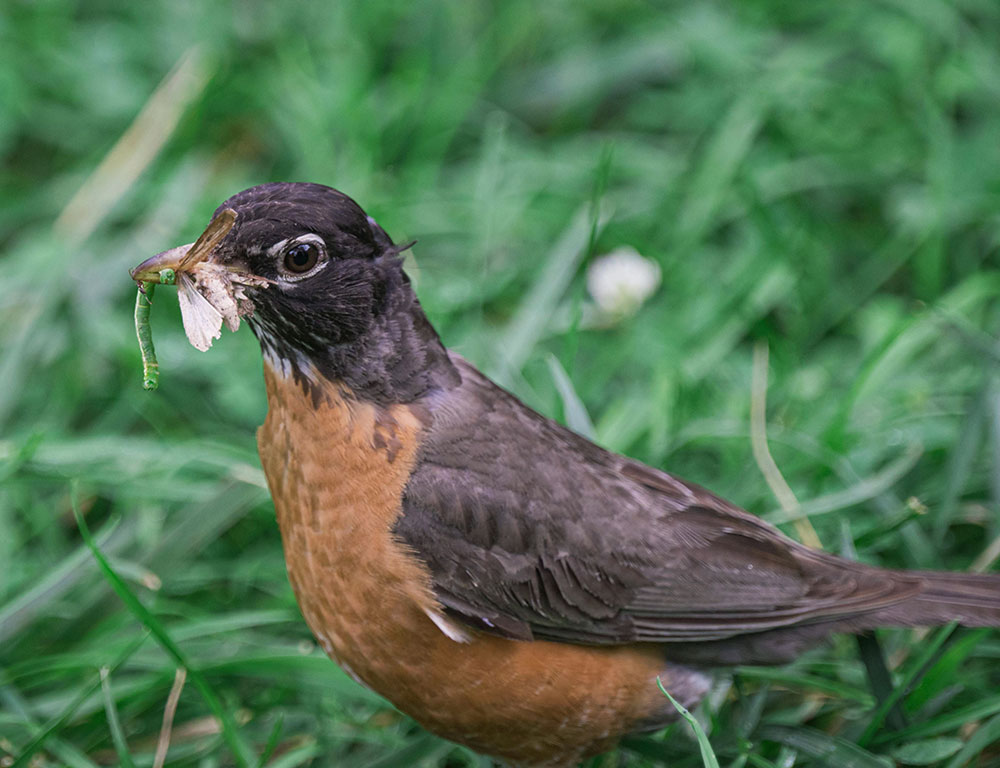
pixel 185 257
pixel 149 271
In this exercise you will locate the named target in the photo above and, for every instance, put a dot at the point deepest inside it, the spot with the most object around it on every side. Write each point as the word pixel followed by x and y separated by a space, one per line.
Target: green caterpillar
pixel 144 332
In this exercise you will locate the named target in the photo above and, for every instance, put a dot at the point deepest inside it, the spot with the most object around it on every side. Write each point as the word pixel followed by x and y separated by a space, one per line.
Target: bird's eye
pixel 301 257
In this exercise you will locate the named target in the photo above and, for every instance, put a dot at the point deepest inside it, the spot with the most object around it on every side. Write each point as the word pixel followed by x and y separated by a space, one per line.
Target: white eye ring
pixel 279 249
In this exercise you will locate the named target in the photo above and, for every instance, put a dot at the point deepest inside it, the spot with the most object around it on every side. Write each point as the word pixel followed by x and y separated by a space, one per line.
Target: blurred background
pixel 816 180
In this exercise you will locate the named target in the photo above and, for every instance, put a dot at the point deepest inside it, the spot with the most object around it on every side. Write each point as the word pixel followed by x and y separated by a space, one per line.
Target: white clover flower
pixel 621 281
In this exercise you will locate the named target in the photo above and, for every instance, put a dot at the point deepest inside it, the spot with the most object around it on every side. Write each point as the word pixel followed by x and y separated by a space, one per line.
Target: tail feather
pixel 972 599
pixel 933 598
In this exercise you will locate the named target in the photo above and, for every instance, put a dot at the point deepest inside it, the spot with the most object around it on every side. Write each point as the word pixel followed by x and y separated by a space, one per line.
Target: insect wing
pixel 214 234
pixel 202 321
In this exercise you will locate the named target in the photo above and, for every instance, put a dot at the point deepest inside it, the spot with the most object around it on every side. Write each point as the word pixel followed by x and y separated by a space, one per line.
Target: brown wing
pixel 531 531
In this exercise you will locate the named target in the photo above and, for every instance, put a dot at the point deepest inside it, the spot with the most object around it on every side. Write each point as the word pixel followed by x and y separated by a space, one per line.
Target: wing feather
pixel 529 530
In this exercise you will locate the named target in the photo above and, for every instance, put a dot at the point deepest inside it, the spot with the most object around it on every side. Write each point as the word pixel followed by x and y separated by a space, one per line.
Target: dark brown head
pixel 338 302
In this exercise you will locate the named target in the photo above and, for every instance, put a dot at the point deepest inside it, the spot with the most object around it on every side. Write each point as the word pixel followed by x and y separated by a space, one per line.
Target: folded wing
pixel 531 531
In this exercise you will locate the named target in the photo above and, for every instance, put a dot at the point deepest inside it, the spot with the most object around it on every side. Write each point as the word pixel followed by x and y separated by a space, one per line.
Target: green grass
pixel 823 178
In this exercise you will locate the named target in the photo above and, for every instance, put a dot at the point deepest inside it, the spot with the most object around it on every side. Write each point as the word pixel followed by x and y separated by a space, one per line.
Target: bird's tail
pixel 971 599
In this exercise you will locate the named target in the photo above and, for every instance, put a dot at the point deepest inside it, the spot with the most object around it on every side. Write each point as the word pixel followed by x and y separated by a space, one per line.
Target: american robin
pixel 504 581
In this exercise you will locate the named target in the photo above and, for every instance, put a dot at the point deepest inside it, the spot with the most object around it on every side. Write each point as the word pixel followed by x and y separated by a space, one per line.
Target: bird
pixel 507 583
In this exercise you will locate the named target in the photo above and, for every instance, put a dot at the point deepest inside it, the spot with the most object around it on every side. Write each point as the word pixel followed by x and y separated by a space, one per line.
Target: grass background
pixel 820 177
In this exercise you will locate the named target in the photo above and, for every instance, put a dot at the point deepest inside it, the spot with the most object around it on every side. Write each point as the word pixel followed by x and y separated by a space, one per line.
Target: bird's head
pixel 320 283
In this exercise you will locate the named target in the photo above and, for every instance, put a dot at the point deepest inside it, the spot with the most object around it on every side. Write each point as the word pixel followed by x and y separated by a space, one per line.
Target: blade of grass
pixel 863 490
pixel 879 678
pixel 718 162
pixel 984 736
pixel 985 559
pixel 241 750
pixel 708 757
pixel 916 669
pixel 751 710
pixel 994 443
pixel 760 762
pixel 808 683
pixel 136 148
pixel 424 747
pixel 57 723
pixel 272 741
pixel 117 735
pixel 930 752
pixel 574 410
pixel 762 454
pixel 531 319
pixel 31 604
pixel 961 463
pixel 298 756
pixel 163 742
pixel 766 289
pixel 946 722
pixel 870 649
pixel 946 668
pixel 64 751
pixel 883 527
pixel 828 750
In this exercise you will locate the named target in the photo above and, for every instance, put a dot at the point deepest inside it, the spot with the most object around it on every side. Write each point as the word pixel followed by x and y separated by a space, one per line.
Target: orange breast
pixel 337 473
